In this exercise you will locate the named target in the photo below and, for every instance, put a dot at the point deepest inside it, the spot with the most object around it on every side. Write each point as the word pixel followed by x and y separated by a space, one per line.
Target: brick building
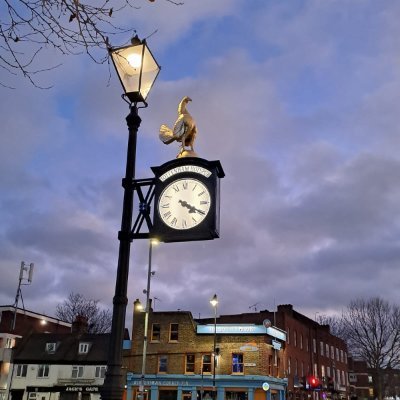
pixel 310 351
pixel 360 380
pixel 179 362
pixel 25 323
pixel 306 350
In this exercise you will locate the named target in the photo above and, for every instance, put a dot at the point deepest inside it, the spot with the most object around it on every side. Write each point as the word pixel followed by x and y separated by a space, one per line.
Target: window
pixel 8 343
pixel 237 363
pixel 289 362
pixel 77 372
pixel 51 347
pixel 327 350
pixel 189 364
pixel 296 367
pixel 341 356
pixel 155 332
pixel 288 335
pixel 322 371
pixel 337 354
pixel 84 348
pixel 21 370
pixel 307 345
pixel 100 372
pixel 270 365
pixel 301 341
pixel 345 357
pixel 173 332
pixel 321 348
pixel 206 363
pixel 332 352
pixel 302 368
pixel 43 371
pixel 328 371
pixel 162 364
pixel 314 343
pixel 295 338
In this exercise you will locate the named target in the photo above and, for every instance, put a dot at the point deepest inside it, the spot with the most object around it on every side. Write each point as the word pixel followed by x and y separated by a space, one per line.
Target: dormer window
pixel 84 347
pixel 51 347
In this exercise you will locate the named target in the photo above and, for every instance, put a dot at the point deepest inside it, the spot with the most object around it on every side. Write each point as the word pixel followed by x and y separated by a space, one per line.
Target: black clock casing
pixel 191 176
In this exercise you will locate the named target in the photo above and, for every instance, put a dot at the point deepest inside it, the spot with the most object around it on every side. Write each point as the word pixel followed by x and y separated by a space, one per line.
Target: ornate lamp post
pixel 214 303
pixel 137 70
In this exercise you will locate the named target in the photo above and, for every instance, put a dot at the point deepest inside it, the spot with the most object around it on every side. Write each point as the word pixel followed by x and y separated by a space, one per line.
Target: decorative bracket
pixel 145 201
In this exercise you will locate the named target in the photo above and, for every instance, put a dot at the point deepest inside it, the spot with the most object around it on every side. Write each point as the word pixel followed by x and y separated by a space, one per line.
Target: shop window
pixel 173 332
pixel 155 333
pixel 21 370
pixel 237 363
pixel 162 364
pixel 43 371
pixel 189 364
pixel 77 371
pixel 206 363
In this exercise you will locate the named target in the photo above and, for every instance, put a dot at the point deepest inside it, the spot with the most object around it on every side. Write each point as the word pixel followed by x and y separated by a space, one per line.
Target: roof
pixel 34 314
pixel 32 349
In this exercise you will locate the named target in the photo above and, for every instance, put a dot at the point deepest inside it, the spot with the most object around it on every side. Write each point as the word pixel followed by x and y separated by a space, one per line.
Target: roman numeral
pixel 185 185
pixel 174 221
pixel 201 193
pixel 203 202
pixel 166 205
pixel 184 224
pixel 167 215
pixel 176 188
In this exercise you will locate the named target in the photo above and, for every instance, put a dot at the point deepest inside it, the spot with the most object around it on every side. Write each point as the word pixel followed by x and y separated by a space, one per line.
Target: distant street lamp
pixel 150 273
pixel 137 70
pixel 214 303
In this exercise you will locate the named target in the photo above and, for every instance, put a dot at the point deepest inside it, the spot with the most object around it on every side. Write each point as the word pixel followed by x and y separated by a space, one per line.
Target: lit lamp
pixel 214 303
pixel 137 71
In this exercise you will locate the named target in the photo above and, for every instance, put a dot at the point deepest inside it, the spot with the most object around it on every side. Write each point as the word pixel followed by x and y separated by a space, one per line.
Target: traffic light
pixel 313 383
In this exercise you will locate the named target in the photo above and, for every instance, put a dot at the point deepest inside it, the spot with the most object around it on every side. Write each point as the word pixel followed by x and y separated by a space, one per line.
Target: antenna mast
pixel 22 276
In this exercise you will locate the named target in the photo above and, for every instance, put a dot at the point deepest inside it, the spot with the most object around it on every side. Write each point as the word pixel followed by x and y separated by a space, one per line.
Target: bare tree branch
pixel 99 320
pixel 70 27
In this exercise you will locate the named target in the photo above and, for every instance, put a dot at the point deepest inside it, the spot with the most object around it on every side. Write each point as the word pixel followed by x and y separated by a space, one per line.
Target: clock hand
pixel 192 209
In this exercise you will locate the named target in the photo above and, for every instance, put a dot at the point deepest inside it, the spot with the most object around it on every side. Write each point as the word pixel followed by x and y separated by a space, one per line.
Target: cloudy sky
pixel 300 101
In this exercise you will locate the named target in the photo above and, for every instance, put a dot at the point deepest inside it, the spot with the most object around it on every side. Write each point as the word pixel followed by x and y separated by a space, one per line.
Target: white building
pixel 59 367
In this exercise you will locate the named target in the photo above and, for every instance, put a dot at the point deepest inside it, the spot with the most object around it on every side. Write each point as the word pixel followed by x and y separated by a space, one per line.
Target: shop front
pixel 193 387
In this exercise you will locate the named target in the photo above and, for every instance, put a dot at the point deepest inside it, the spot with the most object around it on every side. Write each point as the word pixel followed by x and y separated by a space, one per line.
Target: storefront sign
pixel 252 346
pixel 152 382
pixel 241 329
pixel 70 388
pixel 276 345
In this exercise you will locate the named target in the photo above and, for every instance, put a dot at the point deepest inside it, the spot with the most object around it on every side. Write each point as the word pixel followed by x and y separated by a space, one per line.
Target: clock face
pixel 184 203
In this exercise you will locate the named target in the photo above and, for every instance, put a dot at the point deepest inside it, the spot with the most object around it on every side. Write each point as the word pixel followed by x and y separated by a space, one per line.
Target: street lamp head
pixel 138 305
pixel 214 300
pixel 137 69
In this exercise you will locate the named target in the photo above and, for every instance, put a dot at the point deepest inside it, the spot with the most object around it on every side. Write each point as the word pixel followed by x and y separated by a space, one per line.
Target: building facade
pixel 16 323
pixel 59 367
pixel 180 359
pixel 311 353
pixel 307 361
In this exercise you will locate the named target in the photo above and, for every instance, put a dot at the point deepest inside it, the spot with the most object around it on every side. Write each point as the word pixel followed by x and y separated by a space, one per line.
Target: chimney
pixel 80 325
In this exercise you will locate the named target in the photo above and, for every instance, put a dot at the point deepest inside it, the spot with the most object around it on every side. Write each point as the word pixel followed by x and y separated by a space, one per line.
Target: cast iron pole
pixel 113 386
